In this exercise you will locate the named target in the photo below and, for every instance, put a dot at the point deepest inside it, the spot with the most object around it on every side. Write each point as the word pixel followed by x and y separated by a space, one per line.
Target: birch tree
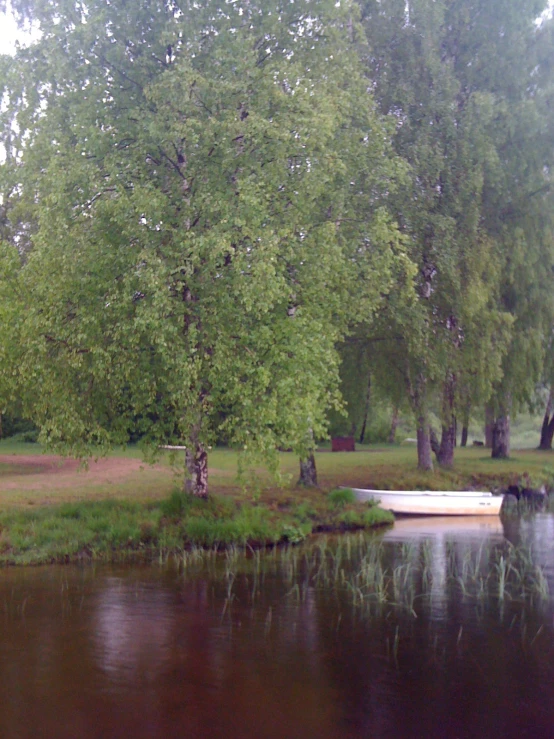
pixel 468 84
pixel 185 169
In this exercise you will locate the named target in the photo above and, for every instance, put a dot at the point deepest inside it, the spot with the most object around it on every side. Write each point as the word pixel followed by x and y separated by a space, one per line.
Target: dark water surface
pixel 431 629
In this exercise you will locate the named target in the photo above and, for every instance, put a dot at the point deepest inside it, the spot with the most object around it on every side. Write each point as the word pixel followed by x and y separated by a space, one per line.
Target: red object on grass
pixel 343 444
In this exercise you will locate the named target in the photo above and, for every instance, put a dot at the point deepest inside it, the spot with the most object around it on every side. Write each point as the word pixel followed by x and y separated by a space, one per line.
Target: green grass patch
pixel 111 529
pixel 379 466
pixel 340 497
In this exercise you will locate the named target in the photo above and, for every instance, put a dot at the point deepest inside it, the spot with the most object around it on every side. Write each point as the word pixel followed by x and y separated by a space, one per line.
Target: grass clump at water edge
pixel 340 497
pixel 114 529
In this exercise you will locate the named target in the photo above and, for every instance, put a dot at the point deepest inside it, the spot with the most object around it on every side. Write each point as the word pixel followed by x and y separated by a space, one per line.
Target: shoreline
pixel 115 530
pixel 121 508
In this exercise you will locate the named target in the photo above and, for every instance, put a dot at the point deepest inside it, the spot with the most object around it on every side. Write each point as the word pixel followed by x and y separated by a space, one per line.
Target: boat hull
pixel 431 503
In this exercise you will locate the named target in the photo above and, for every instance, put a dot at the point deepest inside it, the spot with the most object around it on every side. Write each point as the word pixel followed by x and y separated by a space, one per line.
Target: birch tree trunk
pixel 465 425
pixel 489 423
pixel 424 456
pixel 196 482
pixel 308 472
pixel 393 426
pixel 445 452
pixel 501 437
pixel 501 430
pixel 366 409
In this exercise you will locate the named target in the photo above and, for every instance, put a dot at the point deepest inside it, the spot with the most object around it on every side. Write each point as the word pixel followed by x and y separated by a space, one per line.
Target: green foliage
pixel 25 437
pixel 340 497
pixel 477 208
pixel 176 504
pixel 14 424
pixel 193 217
pixel 367 404
pixel 30 437
pixel 295 534
pixel 304 512
pixel 213 216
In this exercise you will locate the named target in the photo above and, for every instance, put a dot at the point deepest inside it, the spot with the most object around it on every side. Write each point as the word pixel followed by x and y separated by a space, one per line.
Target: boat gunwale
pixel 430 493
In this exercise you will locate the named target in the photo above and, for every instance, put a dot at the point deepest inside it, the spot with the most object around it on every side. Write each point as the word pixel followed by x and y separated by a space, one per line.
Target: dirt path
pixel 49 472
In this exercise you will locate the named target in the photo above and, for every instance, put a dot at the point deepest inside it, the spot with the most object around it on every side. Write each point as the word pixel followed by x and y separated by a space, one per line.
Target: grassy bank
pixel 51 512
pixel 118 529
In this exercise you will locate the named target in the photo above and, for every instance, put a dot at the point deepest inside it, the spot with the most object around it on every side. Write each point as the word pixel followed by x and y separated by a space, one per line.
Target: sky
pixel 9 33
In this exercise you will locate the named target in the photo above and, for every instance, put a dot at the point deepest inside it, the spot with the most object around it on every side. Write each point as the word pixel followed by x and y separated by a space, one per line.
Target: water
pixel 402 634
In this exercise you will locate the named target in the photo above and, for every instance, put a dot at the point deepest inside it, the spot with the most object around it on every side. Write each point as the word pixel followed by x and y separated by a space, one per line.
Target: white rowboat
pixel 434 503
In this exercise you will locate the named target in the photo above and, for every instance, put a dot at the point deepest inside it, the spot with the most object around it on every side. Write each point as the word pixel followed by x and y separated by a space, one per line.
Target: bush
pixel 16 426
pixel 30 437
pixel 340 497
pixel 351 518
pixel 27 437
pixel 304 512
pixel 295 534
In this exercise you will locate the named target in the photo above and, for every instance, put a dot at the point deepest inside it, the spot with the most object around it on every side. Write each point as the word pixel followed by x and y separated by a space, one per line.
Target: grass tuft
pixel 341 497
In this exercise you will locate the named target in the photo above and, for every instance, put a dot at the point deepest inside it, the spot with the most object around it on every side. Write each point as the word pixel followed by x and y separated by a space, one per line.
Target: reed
pixel 502 570
pixel 374 575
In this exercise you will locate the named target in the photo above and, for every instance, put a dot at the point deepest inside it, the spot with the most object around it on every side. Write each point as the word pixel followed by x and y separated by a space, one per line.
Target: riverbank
pixel 114 530
pixel 51 511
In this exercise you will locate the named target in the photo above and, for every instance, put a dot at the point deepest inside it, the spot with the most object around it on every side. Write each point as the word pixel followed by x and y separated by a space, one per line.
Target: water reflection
pixel 377 636
pixel 132 629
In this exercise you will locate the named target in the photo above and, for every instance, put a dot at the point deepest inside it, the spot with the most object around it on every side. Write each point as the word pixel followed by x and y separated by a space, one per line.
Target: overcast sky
pixel 8 34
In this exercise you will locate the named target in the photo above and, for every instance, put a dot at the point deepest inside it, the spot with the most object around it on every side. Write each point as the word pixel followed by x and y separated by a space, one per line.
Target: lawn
pixel 53 511
pixel 27 477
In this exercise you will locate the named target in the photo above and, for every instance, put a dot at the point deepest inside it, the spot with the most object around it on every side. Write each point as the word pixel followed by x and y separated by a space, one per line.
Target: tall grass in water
pixel 507 572
pixel 374 574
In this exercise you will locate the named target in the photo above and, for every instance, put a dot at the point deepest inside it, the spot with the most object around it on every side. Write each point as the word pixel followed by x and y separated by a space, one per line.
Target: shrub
pixel 340 497
pixel 30 437
pixel 177 503
pixel 351 518
pixel 304 512
pixel 27 437
pixel 376 516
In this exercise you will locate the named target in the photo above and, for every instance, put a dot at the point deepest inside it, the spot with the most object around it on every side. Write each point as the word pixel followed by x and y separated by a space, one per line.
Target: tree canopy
pixel 206 208
pixel 469 85
pixel 193 180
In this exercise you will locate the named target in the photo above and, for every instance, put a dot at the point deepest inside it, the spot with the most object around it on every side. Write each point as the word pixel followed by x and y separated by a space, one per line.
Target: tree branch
pixel 63 342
